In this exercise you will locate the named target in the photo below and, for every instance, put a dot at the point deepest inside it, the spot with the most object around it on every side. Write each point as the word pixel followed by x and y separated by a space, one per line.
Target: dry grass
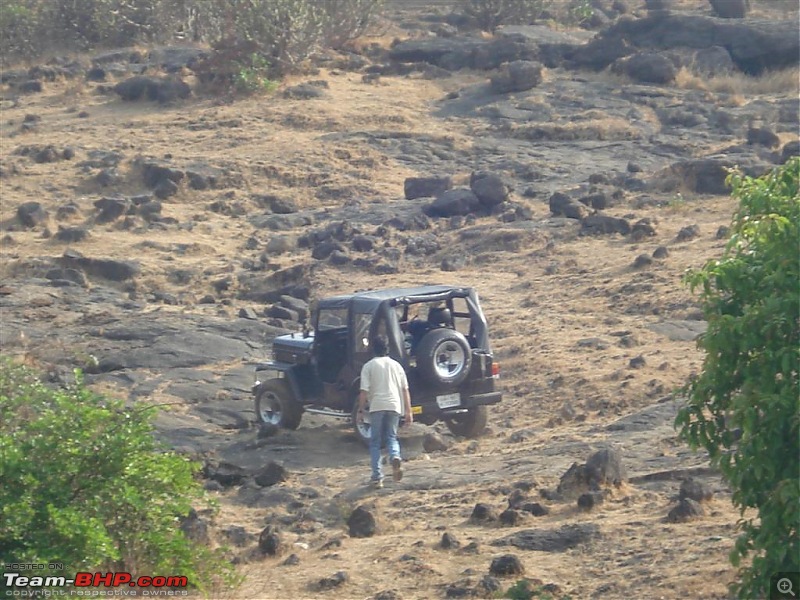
pixel 604 128
pixel 740 85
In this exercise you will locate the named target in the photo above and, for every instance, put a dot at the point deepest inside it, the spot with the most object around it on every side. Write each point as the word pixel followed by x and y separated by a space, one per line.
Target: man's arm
pixel 409 417
pixel 363 398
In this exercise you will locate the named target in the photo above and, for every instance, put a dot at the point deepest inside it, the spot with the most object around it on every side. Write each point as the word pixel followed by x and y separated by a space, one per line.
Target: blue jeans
pixel 383 428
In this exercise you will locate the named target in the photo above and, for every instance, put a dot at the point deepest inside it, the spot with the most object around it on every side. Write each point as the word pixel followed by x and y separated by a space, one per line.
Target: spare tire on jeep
pixel 444 357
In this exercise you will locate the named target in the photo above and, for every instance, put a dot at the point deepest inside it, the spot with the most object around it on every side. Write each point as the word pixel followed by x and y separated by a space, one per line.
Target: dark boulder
pixel 163 90
pixel 563 205
pixel 113 270
pixel 689 232
pixel 695 490
pixel 226 474
pixel 71 235
pixel 154 172
pixel 111 209
pixel 643 228
pixel 489 188
pixel 713 61
pixel 535 509
pixel 31 214
pixel 426 187
pixel 458 201
pixel 517 76
pixel 551 540
pixel 195 528
pixel 449 541
pixel 511 517
pixel 73 275
pixel 605 467
pixel 269 541
pixel 763 136
pixel 362 523
pixel 337 579
pixel 433 442
pixel 731 9
pixel 686 510
pixel 506 49
pixel 450 53
pixel 599 53
pixel 271 474
pixel 754 46
pixel 483 513
pixel 507 564
pixel 789 150
pixel 646 68
pixel 590 500
pixel 32 86
pixel 600 224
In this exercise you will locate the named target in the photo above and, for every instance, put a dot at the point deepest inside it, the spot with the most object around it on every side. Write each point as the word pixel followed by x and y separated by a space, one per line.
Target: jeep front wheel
pixel 275 404
pixel 444 357
pixel 469 424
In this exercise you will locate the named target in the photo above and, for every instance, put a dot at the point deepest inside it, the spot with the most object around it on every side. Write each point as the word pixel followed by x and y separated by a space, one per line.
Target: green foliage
pixel 579 11
pixel 524 589
pixel 253 75
pixel 743 407
pixel 84 483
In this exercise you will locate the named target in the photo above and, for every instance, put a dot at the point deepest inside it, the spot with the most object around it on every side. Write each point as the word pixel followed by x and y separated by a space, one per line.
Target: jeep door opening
pixel 438 333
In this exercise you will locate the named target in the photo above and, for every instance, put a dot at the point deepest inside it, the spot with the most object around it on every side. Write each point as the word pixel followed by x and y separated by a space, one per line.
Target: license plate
pixel 416 410
pixel 448 400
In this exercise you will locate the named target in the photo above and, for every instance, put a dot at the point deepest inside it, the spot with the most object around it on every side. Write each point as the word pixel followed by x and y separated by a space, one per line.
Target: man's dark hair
pixel 380 346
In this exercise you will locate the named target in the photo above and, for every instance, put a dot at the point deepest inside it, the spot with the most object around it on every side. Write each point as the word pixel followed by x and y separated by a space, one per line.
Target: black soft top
pixel 383 301
pixel 373 298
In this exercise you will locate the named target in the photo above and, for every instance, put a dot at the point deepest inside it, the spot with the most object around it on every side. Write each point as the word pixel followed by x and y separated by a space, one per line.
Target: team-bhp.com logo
pixel 87 584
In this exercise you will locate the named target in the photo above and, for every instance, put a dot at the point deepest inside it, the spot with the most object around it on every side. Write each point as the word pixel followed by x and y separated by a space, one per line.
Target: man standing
pixel 384 387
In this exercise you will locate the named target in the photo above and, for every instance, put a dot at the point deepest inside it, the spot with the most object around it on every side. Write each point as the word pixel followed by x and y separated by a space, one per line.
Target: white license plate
pixel 448 400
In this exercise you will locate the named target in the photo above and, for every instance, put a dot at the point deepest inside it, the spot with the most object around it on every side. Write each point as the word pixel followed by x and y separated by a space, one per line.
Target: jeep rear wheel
pixel 275 404
pixel 469 424
pixel 444 357
pixel 363 430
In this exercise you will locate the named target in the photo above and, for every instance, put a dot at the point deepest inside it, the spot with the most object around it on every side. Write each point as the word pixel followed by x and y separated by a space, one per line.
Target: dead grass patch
pixel 740 84
pixel 598 129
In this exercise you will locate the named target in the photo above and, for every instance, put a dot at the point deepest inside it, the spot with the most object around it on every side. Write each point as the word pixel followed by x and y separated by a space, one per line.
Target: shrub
pixel 346 20
pixel 743 407
pixel 84 483
pixel 490 14
pixel 18 26
pixel 288 31
pixel 284 32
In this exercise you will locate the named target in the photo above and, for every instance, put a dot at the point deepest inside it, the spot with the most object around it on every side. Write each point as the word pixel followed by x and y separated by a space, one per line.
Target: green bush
pixel 84 483
pixel 743 407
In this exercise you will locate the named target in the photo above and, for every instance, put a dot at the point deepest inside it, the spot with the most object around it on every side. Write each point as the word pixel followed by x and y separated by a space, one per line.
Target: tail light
pixel 495 370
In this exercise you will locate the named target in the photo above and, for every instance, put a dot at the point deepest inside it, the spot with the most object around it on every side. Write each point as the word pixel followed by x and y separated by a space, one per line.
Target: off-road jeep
pixel 438 334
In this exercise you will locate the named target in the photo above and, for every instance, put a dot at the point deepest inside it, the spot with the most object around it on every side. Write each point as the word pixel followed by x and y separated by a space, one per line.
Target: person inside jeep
pixel 438 316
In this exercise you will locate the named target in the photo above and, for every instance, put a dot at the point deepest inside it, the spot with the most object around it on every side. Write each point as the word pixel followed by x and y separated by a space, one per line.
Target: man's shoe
pixel 397 469
pixel 377 484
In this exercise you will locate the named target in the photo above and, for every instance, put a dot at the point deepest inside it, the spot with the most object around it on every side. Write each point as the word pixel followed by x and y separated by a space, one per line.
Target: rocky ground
pixel 160 245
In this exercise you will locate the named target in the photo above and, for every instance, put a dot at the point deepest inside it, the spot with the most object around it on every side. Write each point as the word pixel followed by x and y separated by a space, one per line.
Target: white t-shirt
pixel 384 380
